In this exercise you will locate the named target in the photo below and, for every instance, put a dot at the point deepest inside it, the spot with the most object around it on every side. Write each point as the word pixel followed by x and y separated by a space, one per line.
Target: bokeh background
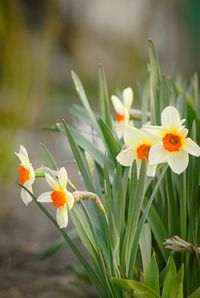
pixel 40 42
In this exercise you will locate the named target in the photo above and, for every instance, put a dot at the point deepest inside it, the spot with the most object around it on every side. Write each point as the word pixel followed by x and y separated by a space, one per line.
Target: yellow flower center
pixel 59 198
pixel 172 142
pixel 24 174
pixel 143 151
pixel 119 117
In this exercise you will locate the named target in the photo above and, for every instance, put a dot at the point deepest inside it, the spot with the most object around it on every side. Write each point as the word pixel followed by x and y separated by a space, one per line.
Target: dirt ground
pixel 25 233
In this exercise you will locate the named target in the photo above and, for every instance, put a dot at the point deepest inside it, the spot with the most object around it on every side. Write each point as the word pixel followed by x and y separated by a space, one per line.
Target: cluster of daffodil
pixel 157 144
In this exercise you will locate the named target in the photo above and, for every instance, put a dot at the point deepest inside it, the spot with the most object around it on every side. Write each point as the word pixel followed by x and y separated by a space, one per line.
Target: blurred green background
pixel 41 41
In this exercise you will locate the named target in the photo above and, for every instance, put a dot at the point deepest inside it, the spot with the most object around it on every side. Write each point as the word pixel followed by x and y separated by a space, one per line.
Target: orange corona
pixel 24 174
pixel 143 151
pixel 119 117
pixel 171 142
pixel 59 198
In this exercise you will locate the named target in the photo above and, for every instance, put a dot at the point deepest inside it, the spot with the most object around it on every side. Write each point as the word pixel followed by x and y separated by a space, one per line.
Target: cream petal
pixel 45 197
pixel 191 147
pixel 133 136
pixel 62 177
pixel 120 128
pixel 170 118
pixel 26 197
pixel 138 163
pixel 157 131
pixel 52 182
pixel 70 200
pixel 157 154
pixel 22 150
pixel 62 216
pixel 178 161
pixel 117 104
pixel 32 173
pixel 128 97
pixel 126 157
pixel 151 170
pixel 184 131
pixel 24 160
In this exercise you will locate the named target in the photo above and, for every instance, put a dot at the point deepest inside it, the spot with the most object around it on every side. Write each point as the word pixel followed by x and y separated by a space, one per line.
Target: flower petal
pixel 62 216
pixel 45 197
pixel 117 104
pixel 178 161
pixel 26 197
pixel 170 118
pixel 120 128
pixel 157 131
pixel 191 147
pixel 62 177
pixel 184 131
pixel 24 159
pixel 151 170
pixel 157 154
pixel 128 97
pixel 22 150
pixel 53 183
pixel 126 157
pixel 133 136
pixel 70 200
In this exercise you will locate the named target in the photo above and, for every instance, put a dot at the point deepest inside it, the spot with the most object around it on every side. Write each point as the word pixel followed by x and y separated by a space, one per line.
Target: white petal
pixel 22 150
pixel 117 104
pixel 128 97
pixel 32 173
pixel 184 131
pixel 62 216
pixel 157 131
pixel 26 197
pixel 126 157
pixel 191 147
pixel 133 136
pixel 157 154
pixel 138 163
pixel 120 128
pixel 70 200
pixel 151 170
pixel 170 118
pixel 62 177
pixel 24 160
pixel 52 182
pixel 178 161
pixel 45 197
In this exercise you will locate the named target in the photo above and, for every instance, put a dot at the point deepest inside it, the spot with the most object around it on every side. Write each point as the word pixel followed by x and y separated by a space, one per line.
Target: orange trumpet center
pixel 59 198
pixel 143 151
pixel 171 142
pixel 119 117
pixel 24 174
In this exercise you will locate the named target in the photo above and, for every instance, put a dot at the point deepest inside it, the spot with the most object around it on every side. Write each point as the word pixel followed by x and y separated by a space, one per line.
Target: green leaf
pixel 151 277
pixel 195 294
pixel 169 279
pixel 145 244
pixel 177 285
pixel 81 92
pixel 85 173
pixel 49 160
pixel 104 97
pixel 111 144
pixel 136 287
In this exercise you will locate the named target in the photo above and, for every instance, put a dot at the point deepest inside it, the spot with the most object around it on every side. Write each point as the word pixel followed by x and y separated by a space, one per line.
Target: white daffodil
pixel 138 144
pixel 26 174
pixel 173 145
pixel 61 198
pixel 122 110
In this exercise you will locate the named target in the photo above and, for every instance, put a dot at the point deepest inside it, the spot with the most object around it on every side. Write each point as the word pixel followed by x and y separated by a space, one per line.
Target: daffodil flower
pixel 60 197
pixel 138 145
pixel 122 110
pixel 173 145
pixel 26 174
